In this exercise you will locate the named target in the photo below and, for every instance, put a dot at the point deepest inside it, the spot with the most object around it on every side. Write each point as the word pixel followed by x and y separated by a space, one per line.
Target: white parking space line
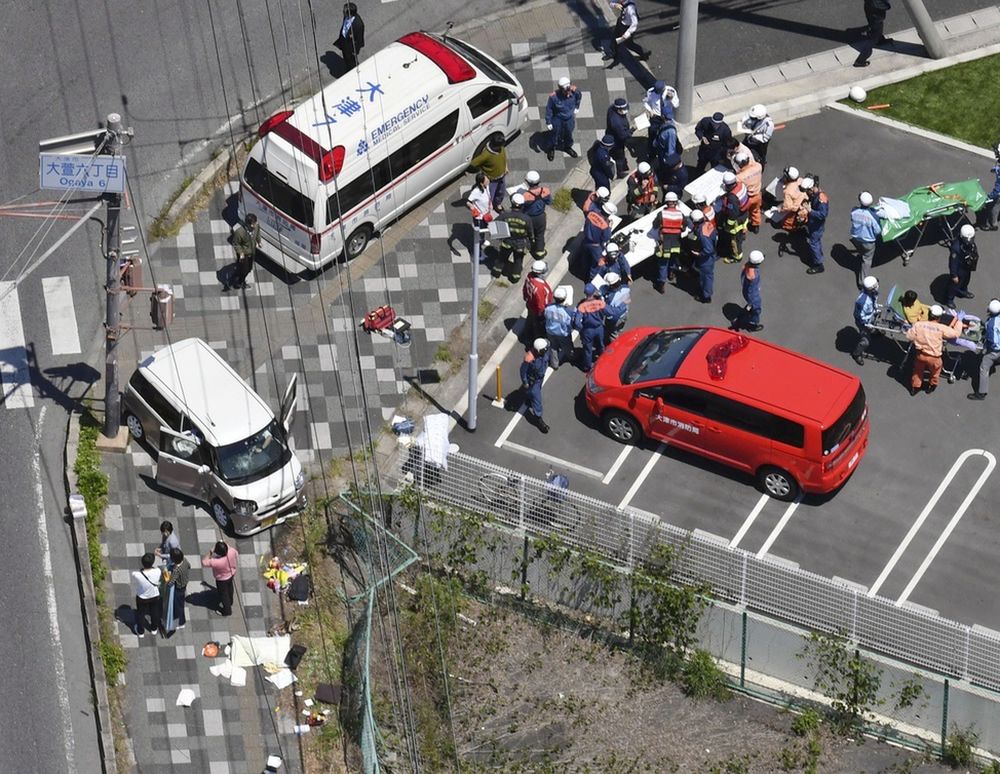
pixel 520 412
pixel 618 463
pixel 780 526
pixel 915 527
pixel 551 459
pixel 991 462
pixel 63 332
pixel 642 476
pixel 749 520
pixel 15 376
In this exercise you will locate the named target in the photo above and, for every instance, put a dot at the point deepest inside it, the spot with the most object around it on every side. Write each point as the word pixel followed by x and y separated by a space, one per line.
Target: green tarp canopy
pixel 931 201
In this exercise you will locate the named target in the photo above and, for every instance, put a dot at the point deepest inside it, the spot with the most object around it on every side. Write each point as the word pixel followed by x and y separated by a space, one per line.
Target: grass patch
pixel 962 101
pixel 486 310
pixel 562 200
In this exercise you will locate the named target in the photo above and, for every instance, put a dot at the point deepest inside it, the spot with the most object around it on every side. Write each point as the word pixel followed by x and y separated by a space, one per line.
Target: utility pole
pixel 470 422
pixel 113 243
pixel 929 34
pixel 687 43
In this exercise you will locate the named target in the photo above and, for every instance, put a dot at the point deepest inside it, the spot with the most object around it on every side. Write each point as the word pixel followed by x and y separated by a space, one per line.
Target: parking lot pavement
pixel 914 523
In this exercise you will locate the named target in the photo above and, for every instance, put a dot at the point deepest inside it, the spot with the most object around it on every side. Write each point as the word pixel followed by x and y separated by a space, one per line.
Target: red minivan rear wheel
pixel 623 427
pixel 778 483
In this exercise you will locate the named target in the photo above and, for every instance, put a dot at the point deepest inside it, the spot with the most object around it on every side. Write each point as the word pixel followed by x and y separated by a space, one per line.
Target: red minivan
pixel 794 423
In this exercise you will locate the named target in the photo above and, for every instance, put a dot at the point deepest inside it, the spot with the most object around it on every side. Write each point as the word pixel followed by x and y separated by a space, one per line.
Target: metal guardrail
pixel 625 537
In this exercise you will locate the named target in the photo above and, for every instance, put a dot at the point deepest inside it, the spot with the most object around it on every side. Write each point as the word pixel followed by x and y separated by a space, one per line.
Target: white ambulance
pixel 325 177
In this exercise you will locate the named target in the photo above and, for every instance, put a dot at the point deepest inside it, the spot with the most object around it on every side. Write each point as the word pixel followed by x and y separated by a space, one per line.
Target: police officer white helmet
pixel 670 198
pixel 758 112
pixel 564 82
pixel 612 248
pixel 602 193
pixel 697 216
pixel 612 278
pixel 540 345
pixel 644 168
pixel 967 231
pixel 609 208
pixel 539 267
pixel 559 294
pixel 994 307
pixel 870 283
pixel 756 257
pixel 729 180
pixel 865 198
pixel 532 178
pixel 517 200
pixel 791 173
pixel 936 311
pixel 806 184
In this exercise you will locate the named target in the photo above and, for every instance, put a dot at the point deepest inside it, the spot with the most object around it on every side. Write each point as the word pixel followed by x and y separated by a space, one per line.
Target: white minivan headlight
pixel 300 481
pixel 245 507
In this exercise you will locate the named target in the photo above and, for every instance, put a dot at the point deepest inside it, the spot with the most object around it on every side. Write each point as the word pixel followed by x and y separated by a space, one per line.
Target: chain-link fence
pixel 380 556
pixel 955 662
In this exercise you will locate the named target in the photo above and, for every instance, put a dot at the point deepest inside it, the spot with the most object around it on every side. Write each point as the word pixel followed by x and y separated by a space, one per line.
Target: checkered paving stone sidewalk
pixel 427 280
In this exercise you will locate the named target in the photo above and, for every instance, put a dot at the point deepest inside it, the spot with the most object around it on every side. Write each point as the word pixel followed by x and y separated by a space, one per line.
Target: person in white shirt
pixel 659 104
pixel 146 585
pixel 480 204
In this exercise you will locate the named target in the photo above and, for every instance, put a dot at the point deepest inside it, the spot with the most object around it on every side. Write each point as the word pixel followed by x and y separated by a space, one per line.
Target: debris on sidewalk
pixel 186 697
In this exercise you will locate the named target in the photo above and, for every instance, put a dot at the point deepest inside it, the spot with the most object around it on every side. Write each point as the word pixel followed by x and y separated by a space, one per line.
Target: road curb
pixel 91 623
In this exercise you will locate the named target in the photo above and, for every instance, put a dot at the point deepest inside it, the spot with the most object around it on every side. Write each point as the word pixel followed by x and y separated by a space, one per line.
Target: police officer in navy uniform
pixel 560 118
pixel 963 258
pixel 602 166
pixel 536 198
pixel 618 126
pixel 624 35
pixel 352 36
pixel 750 286
pixel 714 135
pixel 673 175
pixel 536 360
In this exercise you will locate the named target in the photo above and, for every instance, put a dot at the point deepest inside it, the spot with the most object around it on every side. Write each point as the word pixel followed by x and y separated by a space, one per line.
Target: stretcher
pixel 890 322
pixel 639 238
pixel 709 184
pixel 944 203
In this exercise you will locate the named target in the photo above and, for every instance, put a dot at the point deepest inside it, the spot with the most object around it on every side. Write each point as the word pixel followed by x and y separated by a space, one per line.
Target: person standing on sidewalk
pixel 602 166
pixel 493 162
pixel 532 374
pixel 352 36
pixel 624 33
pixel 819 209
pixel 560 118
pixel 537 294
pixel 168 540
pixel 222 560
pixel 963 259
pixel 246 240
pixel 146 586
pixel 559 329
pixel 759 128
pixel 865 231
pixel 514 246
pixel 480 204
pixel 619 127
pixel 180 573
pixel 874 34
pixel 991 350
pixel 659 105
pixel 536 198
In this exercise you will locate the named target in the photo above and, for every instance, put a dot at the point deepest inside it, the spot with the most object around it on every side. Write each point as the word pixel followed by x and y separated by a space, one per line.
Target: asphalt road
pixel 916 442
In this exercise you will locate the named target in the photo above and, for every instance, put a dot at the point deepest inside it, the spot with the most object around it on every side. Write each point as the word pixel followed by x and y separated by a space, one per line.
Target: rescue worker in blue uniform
pixel 559 328
pixel 733 209
pixel 713 134
pixel 819 209
pixel 591 313
pixel 536 360
pixel 602 166
pixel 675 177
pixel 617 297
pixel 665 146
pixel 536 198
pixel 596 200
pixel 560 118
pixel 991 350
pixel 705 257
pixel 619 127
pixel 596 234
pixel 866 306
pixel 615 261
pixel 670 224
pixel 750 285
pixel 963 258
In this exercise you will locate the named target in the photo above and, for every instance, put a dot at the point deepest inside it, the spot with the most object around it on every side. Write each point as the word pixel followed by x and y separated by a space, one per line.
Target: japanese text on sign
pixel 103 174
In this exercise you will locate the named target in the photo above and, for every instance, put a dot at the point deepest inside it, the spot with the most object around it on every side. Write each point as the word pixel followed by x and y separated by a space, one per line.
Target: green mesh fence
pixel 370 541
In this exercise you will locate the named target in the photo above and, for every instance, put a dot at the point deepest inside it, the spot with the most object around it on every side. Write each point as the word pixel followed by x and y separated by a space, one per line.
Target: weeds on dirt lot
pixel 959 747
pixel 701 677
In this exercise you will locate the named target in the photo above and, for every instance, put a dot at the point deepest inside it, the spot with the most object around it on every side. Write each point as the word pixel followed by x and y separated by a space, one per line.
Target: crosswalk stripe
pixel 15 377
pixel 63 332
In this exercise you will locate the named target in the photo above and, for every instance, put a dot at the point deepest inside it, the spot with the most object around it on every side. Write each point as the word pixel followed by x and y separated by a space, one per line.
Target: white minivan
pixel 323 178
pixel 218 441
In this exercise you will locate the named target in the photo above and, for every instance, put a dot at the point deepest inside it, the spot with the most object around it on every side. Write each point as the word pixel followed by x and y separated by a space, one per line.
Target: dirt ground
pixel 530 697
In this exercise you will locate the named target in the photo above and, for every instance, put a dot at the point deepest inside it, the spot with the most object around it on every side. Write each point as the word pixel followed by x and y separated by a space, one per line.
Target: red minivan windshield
pixel 659 356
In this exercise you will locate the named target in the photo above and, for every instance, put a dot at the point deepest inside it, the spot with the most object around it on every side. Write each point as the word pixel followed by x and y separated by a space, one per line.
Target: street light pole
pixel 112 399
pixel 687 42
pixel 925 27
pixel 470 423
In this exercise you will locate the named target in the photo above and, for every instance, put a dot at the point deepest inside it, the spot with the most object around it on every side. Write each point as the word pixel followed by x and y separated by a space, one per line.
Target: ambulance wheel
pixel 134 426
pixel 622 427
pixel 777 483
pixel 221 514
pixel 357 242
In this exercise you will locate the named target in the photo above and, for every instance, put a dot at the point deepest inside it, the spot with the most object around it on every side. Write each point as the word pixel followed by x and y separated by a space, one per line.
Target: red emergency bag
pixel 379 319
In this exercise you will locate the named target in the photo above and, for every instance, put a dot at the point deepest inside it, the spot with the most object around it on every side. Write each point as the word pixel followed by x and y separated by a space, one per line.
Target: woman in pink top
pixel 222 559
